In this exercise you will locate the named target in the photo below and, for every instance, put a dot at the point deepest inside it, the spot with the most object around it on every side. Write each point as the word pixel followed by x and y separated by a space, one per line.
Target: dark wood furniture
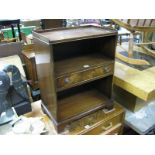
pixel 12 23
pixel 75 71
pixel 28 56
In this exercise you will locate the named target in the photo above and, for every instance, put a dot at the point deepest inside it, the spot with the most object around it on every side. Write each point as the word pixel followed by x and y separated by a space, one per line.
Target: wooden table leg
pixel 20 38
pixel 13 31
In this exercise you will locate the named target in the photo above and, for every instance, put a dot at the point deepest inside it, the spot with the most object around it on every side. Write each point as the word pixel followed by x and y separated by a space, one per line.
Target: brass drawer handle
pixel 108 127
pixel 66 80
pixel 86 66
pixel 106 111
pixel 107 69
pixel 87 126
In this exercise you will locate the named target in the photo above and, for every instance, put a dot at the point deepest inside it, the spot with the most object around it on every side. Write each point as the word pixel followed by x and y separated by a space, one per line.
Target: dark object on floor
pixel 4 86
pixel 6 112
pixel 13 91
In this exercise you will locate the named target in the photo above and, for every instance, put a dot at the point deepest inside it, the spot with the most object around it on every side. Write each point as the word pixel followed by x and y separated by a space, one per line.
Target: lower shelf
pixel 81 104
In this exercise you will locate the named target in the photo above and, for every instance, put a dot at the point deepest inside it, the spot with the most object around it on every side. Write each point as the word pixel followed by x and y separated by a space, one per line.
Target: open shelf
pixel 81 63
pixel 81 103
pixel 80 70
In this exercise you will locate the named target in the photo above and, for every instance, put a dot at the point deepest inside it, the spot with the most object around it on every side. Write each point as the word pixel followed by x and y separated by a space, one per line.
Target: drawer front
pixel 96 123
pixel 73 79
pixel 105 127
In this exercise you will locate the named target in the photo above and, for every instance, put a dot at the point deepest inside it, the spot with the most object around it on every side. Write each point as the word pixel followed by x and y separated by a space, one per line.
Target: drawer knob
pixel 107 69
pixel 66 130
pixel 106 111
pixel 87 126
pixel 108 127
pixel 66 80
pixel 86 66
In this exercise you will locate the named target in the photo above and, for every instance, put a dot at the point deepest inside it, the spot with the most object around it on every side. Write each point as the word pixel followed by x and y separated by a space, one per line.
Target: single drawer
pixel 83 76
pixel 99 122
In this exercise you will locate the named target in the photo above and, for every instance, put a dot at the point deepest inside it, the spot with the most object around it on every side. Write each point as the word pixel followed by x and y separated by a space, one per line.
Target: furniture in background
pixel 75 71
pixel 134 89
pixel 31 22
pixel 12 23
pixel 52 23
pixel 28 55
pixel 82 22
pixel 149 46
pixel 142 26
pixel 130 91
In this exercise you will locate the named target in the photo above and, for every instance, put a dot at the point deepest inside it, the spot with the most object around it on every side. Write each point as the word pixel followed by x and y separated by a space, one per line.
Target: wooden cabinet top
pixel 58 35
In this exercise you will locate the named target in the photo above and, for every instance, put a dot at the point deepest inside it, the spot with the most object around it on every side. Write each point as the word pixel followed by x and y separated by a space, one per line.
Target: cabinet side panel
pixel 45 72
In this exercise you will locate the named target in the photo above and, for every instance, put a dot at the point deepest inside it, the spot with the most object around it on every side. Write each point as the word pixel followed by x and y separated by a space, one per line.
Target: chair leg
pixel 131 43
